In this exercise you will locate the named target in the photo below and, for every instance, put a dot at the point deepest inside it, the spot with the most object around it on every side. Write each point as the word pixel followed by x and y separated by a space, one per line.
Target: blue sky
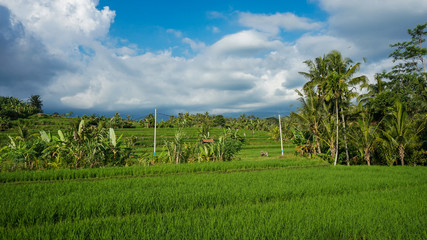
pixel 224 57
pixel 146 23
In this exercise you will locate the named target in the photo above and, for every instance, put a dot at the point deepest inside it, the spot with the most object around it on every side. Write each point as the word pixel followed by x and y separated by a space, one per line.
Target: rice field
pixel 281 202
pixel 255 197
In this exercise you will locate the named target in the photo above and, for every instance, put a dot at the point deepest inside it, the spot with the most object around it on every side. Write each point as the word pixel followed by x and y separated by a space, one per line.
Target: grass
pixel 253 198
pixel 158 170
pixel 331 202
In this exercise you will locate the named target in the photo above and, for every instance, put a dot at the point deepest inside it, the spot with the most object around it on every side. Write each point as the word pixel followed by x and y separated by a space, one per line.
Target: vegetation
pixel 231 202
pixel 388 120
pixel 12 108
pixel 334 122
pixel 100 179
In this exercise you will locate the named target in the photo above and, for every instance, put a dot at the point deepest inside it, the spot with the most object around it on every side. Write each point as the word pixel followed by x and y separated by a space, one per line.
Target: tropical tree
pixel 36 101
pixel 364 134
pixel 310 115
pixel 401 131
pixel 338 87
pixel 408 78
pixel 328 134
pixel 316 75
pixel 378 99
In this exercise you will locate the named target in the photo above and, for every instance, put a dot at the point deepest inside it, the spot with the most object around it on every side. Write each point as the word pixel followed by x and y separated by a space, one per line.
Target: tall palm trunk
pixel 337 147
pixel 318 144
pixel 424 65
pixel 316 136
pixel 333 151
pixel 402 154
pixel 367 156
pixel 345 138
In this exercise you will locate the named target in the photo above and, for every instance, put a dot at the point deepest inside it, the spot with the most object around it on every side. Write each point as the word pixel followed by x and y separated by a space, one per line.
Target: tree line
pixel 12 108
pixel 344 119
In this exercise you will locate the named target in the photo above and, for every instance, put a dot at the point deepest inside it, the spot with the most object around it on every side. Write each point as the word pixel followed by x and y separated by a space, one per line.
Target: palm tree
pixel 328 134
pixel 310 114
pixel 401 131
pixel 373 89
pixel 331 78
pixel 337 88
pixel 318 71
pixel 36 101
pixel 364 134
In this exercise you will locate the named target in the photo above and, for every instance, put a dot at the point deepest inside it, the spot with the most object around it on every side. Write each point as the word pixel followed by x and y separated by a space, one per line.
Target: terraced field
pixel 255 197
pixel 294 198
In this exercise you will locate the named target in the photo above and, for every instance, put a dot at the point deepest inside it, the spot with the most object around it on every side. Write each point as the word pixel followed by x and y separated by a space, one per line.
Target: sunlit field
pixel 251 197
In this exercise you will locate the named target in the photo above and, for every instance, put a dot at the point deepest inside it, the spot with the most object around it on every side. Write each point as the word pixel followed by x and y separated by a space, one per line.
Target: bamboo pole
pixel 281 139
pixel 155 126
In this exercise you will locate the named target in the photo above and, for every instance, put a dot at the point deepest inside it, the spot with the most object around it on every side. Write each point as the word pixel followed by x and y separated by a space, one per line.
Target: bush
pixel 5 123
pixel 84 146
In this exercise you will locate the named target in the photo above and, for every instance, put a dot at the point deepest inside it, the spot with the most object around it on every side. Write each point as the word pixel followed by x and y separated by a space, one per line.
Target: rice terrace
pixel 249 197
pixel 347 162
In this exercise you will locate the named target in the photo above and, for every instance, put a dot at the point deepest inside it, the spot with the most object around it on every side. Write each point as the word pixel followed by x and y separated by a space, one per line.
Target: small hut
pixel 207 140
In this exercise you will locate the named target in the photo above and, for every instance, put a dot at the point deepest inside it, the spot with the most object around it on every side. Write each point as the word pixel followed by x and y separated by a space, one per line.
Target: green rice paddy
pixel 255 197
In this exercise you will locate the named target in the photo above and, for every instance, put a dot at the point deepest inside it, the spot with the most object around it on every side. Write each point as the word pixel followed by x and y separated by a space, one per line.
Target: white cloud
pixel 242 71
pixel 244 43
pixel 195 45
pixel 62 25
pixel 272 24
pixel 215 15
pixel 215 29
pixel 176 33
pixel 25 62
pixel 374 24
pixel 319 45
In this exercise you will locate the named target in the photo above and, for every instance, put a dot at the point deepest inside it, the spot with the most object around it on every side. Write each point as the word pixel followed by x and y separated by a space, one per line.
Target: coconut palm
pixel 328 134
pixel 338 87
pixel 310 115
pixel 36 101
pixel 364 134
pixel 318 71
pixel 401 131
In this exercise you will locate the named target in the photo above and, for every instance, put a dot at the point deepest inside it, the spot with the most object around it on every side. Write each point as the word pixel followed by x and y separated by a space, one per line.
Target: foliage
pixel 223 149
pixel 408 78
pixel 284 203
pixel 5 123
pixel 377 130
pixel 82 146
pixel 401 131
pixel 219 121
pixel 13 108
pixel 117 122
pixel 36 101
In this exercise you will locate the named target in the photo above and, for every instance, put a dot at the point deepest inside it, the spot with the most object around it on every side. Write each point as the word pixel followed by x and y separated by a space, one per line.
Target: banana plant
pixel 116 145
pixel 22 152
pixel 206 151
pixel 219 149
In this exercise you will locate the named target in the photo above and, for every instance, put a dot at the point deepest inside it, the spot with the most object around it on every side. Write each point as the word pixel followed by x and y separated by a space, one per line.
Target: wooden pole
pixel 281 139
pixel 155 126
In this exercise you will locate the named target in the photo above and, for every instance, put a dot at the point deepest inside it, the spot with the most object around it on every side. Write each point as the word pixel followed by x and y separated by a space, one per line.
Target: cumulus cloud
pixel 26 67
pixel 374 24
pixel 175 32
pixel 272 24
pixel 60 47
pixel 244 43
pixel 195 45
pixel 62 23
